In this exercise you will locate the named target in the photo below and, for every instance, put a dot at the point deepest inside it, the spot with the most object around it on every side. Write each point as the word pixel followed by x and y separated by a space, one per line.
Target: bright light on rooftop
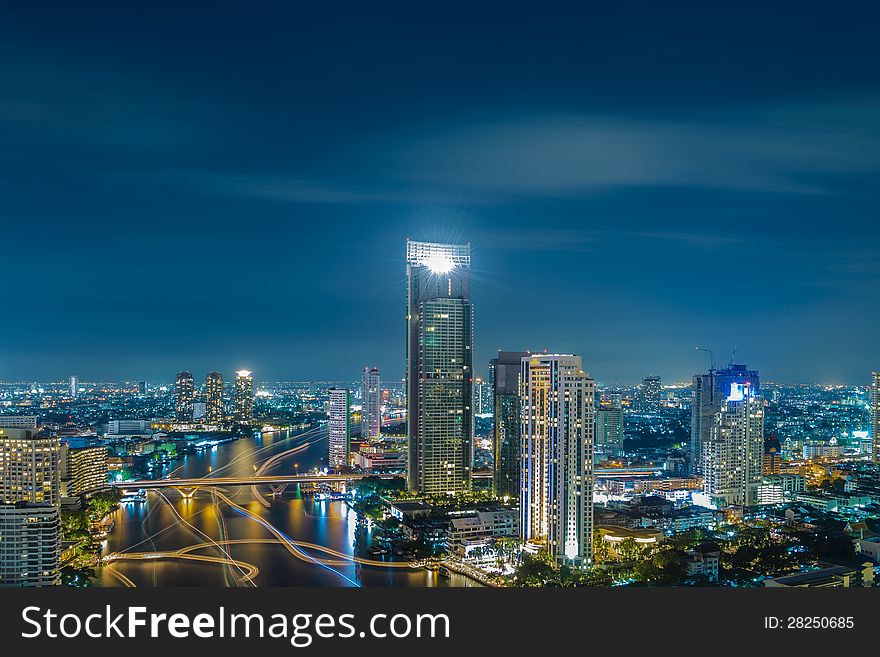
pixel 243 373
pixel 439 263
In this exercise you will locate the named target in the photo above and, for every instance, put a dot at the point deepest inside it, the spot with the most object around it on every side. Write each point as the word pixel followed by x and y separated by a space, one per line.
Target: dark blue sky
pixel 185 186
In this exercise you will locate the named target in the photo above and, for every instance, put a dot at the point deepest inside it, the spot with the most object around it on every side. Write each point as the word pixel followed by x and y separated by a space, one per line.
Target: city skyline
pixel 251 216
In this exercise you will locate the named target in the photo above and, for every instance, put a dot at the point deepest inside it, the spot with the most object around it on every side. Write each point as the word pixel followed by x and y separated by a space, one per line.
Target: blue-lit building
pixel 710 392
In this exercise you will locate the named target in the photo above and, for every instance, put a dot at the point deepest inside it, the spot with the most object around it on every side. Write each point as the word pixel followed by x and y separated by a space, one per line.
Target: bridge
pixel 276 482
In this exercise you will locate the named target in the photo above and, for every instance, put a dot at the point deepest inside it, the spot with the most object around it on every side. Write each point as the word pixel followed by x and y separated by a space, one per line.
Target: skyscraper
pixel 479 387
pixel 708 395
pixel 505 371
pixel 340 433
pixel 371 409
pixel 609 428
pixel 74 386
pixel 650 393
pixel 874 399
pixel 30 467
pixel 439 354
pixel 214 398
pixel 556 494
pixel 733 456
pixel 185 396
pixel 244 396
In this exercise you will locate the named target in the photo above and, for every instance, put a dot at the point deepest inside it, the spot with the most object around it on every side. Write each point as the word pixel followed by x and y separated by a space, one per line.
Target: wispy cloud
pixel 800 149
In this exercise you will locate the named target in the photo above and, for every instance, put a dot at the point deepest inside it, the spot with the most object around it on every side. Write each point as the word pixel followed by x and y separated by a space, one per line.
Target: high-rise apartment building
pixel 30 545
pixel 609 428
pixel 650 393
pixel 29 467
pixel 556 494
pixel 875 417
pixel 214 398
pixel 83 470
pixel 244 396
pixel 186 392
pixel 733 456
pixel 339 449
pixel 708 395
pixel 479 388
pixel 439 354
pixel 505 372
pixel 371 404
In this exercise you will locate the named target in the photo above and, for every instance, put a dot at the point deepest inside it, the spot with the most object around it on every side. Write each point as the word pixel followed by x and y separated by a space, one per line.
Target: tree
pixel 665 568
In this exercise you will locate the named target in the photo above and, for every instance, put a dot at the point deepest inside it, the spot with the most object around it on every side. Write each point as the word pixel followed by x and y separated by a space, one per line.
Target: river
pixel 239 544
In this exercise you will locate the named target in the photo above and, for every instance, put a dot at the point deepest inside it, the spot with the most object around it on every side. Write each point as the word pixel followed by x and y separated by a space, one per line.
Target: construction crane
pixel 711 357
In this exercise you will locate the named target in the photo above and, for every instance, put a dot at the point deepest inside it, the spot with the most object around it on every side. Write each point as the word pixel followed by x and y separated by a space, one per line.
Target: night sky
pixel 224 185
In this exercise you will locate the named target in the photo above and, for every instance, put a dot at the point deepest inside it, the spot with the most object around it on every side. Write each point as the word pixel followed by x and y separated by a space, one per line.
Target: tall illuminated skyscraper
pixel 708 395
pixel 214 398
pixel 556 491
pixel 74 386
pixel 371 409
pixel 185 395
pixel 439 354
pixel 874 398
pixel 505 371
pixel 244 396
pixel 650 393
pixel 30 467
pixel 733 457
pixel 339 445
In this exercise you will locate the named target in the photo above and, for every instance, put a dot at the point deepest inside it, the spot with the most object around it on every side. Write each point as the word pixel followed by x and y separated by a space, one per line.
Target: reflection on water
pixel 168 522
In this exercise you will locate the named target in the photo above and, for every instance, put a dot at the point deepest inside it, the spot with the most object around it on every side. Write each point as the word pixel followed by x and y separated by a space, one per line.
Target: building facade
pixel 609 429
pixel 708 396
pixel 83 470
pixel 733 457
pixel 30 467
pixel 556 493
pixel 371 404
pixel 874 394
pixel 30 545
pixel 186 393
pixel 650 392
pixel 214 398
pixel 339 444
pixel 244 396
pixel 439 354
pixel 505 371
pixel 18 421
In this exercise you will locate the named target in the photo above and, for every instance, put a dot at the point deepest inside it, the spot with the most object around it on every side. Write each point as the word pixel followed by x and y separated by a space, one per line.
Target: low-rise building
pixel 831 577
pixel 377 460
pixel 703 561
pixel 18 421
pixel 481 527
